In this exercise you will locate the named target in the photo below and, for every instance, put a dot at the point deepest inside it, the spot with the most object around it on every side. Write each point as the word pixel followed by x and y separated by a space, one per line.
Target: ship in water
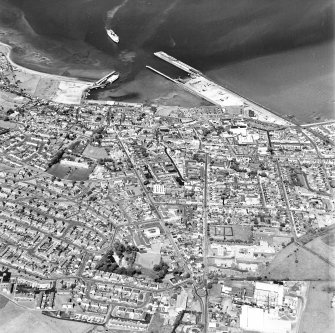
pixel 112 35
pixel 112 78
pixel 106 80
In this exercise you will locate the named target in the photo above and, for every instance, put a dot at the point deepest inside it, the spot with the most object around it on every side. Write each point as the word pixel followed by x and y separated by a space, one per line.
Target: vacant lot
pixel 15 319
pixel 7 124
pixel 95 152
pixel 69 92
pixel 156 325
pixel 140 239
pixel 318 316
pixel 3 301
pixel 233 233
pixel 69 173
pixel 320 246
pixel 10 101
pixel 294 263
pixel 46 88
pixel 148 260
pixel 329 239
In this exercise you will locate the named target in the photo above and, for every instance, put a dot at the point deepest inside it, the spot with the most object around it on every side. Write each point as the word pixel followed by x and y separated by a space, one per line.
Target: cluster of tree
pixel 104 160
pixel 10 111
pixel 178 321
pixel 121 249
pixel 56 158
pixel 161 270
pixel 252 173
pixel 108 264
pixel 111 164
pixel 180 271
pixel 236 166
pixel 200 157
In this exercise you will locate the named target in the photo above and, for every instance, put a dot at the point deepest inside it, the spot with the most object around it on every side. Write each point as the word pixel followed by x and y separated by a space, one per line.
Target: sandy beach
pixel 60 89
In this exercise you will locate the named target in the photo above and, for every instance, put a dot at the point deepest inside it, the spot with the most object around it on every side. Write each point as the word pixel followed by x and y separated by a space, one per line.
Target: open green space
pixel 321 247
pixel 3 301
pixel 233 233
pixel 16 319
pixel 95 152
pixel 329 239
pixel 318 316
pixel 296 263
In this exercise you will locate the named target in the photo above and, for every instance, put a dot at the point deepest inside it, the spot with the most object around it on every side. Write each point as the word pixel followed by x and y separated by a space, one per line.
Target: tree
pixel 119 249
pixel 131 271
pixel 113 266
pixel 121 270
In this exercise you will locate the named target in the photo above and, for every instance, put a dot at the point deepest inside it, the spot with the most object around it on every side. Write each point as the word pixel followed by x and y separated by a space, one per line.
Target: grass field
pixel 3 301
pixel 320 246
pixel 15 319
pixel 69 173
pixel 232 233
pixel 46 88
pixel 148 260
pixel 156 325
pixel 10 101
pixel 293 263
pixel 7 124
pixel 318 316
pixel 329 239
pixel 95 152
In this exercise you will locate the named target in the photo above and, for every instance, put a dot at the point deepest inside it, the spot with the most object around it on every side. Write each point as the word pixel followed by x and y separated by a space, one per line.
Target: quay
pixel 113 103
pixel 160 73
pixel 198 84
pixel 103 81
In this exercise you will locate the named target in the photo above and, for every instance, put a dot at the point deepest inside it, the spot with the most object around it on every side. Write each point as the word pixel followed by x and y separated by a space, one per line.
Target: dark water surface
pixel 240 43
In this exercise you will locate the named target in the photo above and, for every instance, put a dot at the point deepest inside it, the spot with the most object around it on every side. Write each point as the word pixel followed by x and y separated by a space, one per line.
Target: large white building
pixel 259 320
pixel 152 232
pixel 159 189
pixel 269 294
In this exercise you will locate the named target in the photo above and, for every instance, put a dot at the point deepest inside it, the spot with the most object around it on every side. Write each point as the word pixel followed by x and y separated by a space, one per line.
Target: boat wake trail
pixel 111 13
pixel 150 29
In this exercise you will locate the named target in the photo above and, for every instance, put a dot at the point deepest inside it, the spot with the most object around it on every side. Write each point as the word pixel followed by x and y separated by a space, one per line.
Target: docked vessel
pixel 112 35
pixel 112 78
pixel 106 80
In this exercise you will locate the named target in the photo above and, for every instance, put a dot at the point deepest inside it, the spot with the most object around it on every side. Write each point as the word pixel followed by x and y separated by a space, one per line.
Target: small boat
pixel 106 80
pixel 112 35
pixel 112 78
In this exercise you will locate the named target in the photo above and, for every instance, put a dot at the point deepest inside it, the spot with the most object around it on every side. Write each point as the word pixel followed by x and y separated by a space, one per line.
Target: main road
pixel 205 239
pixel 160 217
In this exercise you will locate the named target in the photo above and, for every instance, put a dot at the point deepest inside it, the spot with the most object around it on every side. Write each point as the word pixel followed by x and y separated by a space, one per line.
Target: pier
pixel 166 57
pixel 160 73
pixel 198 84
pixel 103 81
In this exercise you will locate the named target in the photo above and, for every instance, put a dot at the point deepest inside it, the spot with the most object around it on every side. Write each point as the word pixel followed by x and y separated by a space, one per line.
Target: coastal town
pixel 153 218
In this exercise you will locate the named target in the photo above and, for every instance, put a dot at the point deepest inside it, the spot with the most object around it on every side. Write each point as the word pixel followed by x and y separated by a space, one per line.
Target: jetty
pixel 198 84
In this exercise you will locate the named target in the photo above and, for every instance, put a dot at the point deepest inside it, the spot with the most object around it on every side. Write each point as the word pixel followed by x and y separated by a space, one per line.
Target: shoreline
pixel 75 80
pixel 35 72
pixel 51 87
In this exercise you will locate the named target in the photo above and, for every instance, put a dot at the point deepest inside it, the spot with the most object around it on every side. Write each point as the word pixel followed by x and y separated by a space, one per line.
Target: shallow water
pixel 259 48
